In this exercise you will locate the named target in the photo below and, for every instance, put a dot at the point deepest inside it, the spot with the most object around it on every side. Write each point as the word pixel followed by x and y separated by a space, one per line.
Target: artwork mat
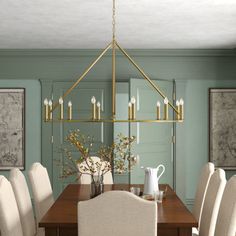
pixel 222 141
pixel 21 123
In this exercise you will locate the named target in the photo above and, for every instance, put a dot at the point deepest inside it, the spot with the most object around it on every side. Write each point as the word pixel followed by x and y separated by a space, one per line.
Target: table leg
pixel 59 231
pixel 185 232
pixel 51 231
pixel 174 232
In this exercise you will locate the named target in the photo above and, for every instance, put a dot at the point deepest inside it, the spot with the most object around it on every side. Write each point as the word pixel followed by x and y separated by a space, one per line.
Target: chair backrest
pixel 117 213
pixel 10 224
pixel 23 200
pixel 86 179
pixel 41 188
pixel 212 203
pixel 206 172
pixel 226 221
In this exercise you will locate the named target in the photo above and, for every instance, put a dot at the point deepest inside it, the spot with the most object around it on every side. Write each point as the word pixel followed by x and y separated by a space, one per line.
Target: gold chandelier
pixel 49 107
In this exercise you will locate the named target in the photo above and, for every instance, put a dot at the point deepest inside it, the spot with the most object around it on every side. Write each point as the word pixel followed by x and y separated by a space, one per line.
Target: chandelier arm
pixel 83 75
pixel 145 76
pixel 118 121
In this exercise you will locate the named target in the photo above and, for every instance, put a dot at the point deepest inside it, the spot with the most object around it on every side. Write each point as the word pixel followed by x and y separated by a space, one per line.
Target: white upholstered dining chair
pixel 10 224
pixel 226 220
pixel 117 213
pixel 24 204
pixel 86 178
pixel 206 173
pixel 212 203
pixel 41 188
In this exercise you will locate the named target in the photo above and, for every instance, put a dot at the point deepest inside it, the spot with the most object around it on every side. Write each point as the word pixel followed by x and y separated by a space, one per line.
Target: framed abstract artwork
pixel 12 128
pixel 222 127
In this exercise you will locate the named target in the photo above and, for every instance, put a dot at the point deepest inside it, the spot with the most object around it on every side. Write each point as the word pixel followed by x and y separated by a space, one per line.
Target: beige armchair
pixel 41 188
pixel 226 221
pixel 117 213
pixel 24 204
pixel 10 224
pixel 206 173
pixel 212 203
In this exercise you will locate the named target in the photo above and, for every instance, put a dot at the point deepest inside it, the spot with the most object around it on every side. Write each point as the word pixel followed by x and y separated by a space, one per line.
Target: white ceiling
pixel 140 23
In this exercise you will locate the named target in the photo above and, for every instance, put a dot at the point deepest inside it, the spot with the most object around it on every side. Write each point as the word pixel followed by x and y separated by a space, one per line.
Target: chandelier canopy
pixel 49 106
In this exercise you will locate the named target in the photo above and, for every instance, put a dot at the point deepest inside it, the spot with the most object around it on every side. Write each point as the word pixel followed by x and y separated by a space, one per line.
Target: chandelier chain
pixel 113 20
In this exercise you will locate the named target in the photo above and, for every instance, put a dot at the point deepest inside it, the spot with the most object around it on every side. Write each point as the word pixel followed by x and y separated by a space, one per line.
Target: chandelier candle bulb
pixel 166 109
pixel 158 110
pixel 133 113
pixel 181 108
pixel 129 111
pixel 178 110
pixel 46 108
pixel 93 101
pixel 50 109
pixel 98 111
pixel 69 110
pixel 61 108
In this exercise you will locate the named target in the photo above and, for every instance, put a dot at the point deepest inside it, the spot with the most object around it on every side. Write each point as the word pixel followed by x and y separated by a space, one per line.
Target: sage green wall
pixel 32 119
pixel 194 70
pixel 196 132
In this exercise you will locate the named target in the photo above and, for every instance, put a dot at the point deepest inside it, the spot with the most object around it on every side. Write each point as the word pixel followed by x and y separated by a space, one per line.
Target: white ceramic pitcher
pixel 151 182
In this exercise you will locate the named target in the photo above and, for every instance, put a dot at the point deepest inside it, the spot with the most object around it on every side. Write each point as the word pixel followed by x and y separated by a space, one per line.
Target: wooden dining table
pixel 174 219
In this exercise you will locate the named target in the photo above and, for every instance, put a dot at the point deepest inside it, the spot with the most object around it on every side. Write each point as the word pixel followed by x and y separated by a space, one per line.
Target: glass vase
pixel 97 186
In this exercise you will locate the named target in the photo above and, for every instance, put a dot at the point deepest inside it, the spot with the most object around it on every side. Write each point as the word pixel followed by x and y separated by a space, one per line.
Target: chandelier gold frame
pixel 113 45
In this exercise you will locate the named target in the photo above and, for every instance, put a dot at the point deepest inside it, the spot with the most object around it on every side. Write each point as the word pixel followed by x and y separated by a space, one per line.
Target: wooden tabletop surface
pixel 63 213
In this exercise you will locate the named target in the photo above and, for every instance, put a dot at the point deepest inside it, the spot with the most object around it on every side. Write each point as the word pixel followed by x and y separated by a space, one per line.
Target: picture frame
pixel 222 127
pixel 12 128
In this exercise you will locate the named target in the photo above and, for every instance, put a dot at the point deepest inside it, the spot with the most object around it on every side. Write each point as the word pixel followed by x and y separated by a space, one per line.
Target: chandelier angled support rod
pixel 83 75
pixel 145 76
